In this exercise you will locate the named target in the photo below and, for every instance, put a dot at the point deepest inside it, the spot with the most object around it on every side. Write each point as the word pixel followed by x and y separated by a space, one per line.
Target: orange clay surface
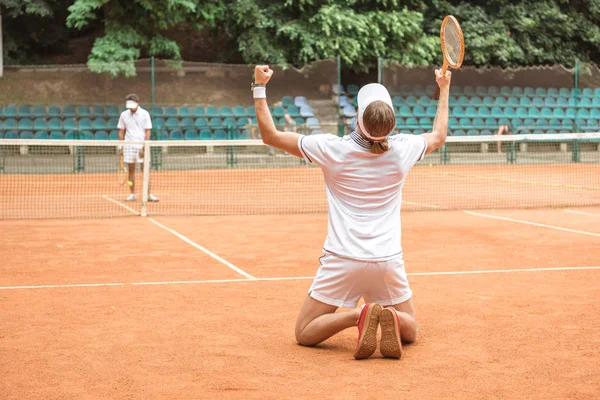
pixel 211 333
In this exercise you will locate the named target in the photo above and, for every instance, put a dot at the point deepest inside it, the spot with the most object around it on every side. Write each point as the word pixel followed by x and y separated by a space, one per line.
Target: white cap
pixel 367 95
pixel 131 104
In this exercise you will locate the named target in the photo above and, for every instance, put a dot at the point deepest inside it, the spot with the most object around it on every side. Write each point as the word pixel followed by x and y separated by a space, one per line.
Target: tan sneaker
pixel 391 343
pixel 367 331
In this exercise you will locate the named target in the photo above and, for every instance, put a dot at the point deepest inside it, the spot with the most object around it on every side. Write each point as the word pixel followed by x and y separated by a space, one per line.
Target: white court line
pixel 105 197
pixel 203 249
pixel 294 278
pixel 422 205
pixel 582 213
pixel 520 221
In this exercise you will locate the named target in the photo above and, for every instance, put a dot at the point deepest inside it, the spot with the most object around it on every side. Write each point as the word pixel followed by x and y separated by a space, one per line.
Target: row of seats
pixel 190 134
pixel 493 123
pixel 420 90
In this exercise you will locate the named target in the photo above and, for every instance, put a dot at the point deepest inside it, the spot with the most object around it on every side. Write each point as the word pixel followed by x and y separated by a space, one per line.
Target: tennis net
pixel 78 178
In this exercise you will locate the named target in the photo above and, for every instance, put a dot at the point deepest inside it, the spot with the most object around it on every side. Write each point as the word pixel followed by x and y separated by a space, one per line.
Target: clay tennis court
pixel 137 308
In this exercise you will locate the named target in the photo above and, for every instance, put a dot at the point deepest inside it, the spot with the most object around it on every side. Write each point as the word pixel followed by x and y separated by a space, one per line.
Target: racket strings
pixel 453 43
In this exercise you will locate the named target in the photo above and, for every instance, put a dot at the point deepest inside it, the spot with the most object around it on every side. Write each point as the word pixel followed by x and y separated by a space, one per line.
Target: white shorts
pixel 131 153
pixel 342 282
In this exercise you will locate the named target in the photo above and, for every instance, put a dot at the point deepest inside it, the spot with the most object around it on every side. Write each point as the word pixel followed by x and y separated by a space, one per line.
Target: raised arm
pixel 286 141
pixel 437 137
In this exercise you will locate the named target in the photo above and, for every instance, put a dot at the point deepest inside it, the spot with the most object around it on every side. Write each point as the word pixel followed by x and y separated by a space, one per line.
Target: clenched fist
pixel 262 74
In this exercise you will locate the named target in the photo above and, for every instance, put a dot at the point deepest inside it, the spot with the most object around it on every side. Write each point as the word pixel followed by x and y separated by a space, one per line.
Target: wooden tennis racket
pixel 122 173
pixel 453 47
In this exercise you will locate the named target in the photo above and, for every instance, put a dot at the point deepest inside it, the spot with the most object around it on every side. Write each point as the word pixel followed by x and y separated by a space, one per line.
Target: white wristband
pixel 260 92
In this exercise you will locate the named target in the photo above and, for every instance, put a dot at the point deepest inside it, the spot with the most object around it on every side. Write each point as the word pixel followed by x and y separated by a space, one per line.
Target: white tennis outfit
pixel 135 125
pixel 363 253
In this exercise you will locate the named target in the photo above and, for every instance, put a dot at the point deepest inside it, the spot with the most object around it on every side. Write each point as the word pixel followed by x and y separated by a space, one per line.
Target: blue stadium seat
pixel 506 91
pixel 56 135
pixel 220 135
pixel 503 121
pixel 349 111
pixel 230 122
pixel 418 90
pixel 83 111
pixel 25 124
pixel 476 101
pixel 114 135
pixel 185 111
pixel 541 123
pixel 42 135
pixel 529 122
pixel 99 124
pixel 201 123
pixel 215 122
pixel 412 123
pixel 587 92
pixel 11 124
pixel 493 91
pixel 70 124
pixel 459 132
pixel 226 112
pixel 472 132
pixel 26 135
pixel 481 91
pixel 87 135
pixel 552 92
pixel 187 123
pixel 488 101
pixel 541 92
pixel 570 113
pixel 199 111
pixel 98 111
pixel 586 102
pixel 39 112
pixel 206 134
pixel 534 112
pixel 251 111
pixel 522 112
pixel 463 101
pixel 529 91
pixel 550 102
pixel 242 122
pixel 485 132
pixel 431 111
pixel 171 111
pixel 469 91
pixel 405 111
pixel 40 124
pixel 553 123
pixel 583 113
pixel 513 102
pixel 595 113
pixel 25 111
pixel 300 101
pixel 101 135
pixel 497 112
pixel 546 112
pixel 312 123
pixel 411 100
pixel 10 111
pixel 483 112
pixel 337 89
pixel 399 122
pixel 287 101
pixel 453 122
pixel 492 123
pixel 516 122
pixel 176 135
pixel 11 135
pixel 537 102
pixel 54 111
pixel 172 123
pixel 191 134
pixel 510 112
pixel 419 111
pixel 397 101
pixel 212 111
pixel 85 124
pixel 564 92
pixel 458 111
pixel 471 112
pixel 464 123
pixel 425 100
pixel 278 112
pixel 477 123
pixel 525 102
pixel 306 111
pixel 556 113
pixel 562 102
pixel 158 123
pixel 157 111
pixel 114 112
pixel 425 123
pixel 596 102
pixel 240 111
pixel 294 111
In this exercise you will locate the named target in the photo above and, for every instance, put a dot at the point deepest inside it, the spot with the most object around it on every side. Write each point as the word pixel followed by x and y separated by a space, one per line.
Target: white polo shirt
pixel 364 191
pixel 135 124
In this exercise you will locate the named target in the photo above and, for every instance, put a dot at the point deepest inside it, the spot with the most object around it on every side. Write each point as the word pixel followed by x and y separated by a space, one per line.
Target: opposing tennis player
pixel 364 175
pixel 134 124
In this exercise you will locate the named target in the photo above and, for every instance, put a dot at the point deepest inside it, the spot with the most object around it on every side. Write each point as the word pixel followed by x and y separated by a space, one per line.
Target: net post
pixel 575 156
pixel 146 177
pixel 380 70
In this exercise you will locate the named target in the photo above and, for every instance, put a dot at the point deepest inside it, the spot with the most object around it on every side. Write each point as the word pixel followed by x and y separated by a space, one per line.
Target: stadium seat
pixel 98 111
pixel 418 132
pixel 522 112
pixel 405 111
pixel 215 122
pixel 595 113
pixel 485 132
pixel 171 111
pixel 313 123
pixel 478 123
pixel 503 121
pixel 299 120
pixel 542 123
pixel 488 101
pixel 306 111
pixel 56 135
pixel 425 123
pixel 206 134
pixel 239 111
pixel 472 132
pixel 419 111
pixel 399 122
pixel 172 123
pixel 26 135
pixel 114 112
pixel 541 92
pixel 464 123
pixel 294 111
pixel 39 112
pixel 157 111
pixel 10 111
pixel 40 124
pixel 497 112
pixel 187 123
pixel 300 101
pixel 85 124
pixel 287 101
pixel 25 124
pixel 176 135
pixel 491 123
pixel 453 122
pixel 463 101
pixel 156 122
pixel 557 113
pixel 481 91
pixel 550 102
pixel 185 111
pixel 25 111
pixel 512 102
pixel 525 102
pixel 552 92
pixel 70 124
pixel 352 89
pixel 343 101
pixel 553 124
pixel 476 101
pixel 583 113
pixel 114 135
pixel 493 91
pixel 501 101
pixel 459 132
pixel 11 124
pixel 529 91
pixel 229 122
pixel 412 123
pixel 278 112
pixel 191 134
pixel 431 111
pixel 54 111
pixel 337 89
pixel 349 111
pixel 458 111
pixel 573 102
pixel 506 91
pixel 83 111
pixel 425 101
pixel 101 135
pixel 87 135
pixel 220 135
pixel 471 112
pixel 546 112
pixel 243 122
pixel 564 92
pixel 212 111
pixel 537 132
pixel 586 102
pixel 41 135
pixel 587 92
pixel 537 102
pixel 570 113
pixel 397 101
pixel 199 111
pixel 201 123
pixel 99 124
pixel 516 122
pixel 411 100
pixel 11 135
pixel 469 91
pixel 562 102
pixel 226 112
pixel 483 112
pixel 529 122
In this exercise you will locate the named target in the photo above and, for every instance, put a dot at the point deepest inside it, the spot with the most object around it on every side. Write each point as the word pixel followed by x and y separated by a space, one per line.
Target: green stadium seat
pixel 529 122
pixel 172 123
pixel 220 135
pixel 513 102
pixel 54 111
pixel 534 112
pixel 158 123
pixel 56 135
pixel 485 132
pixel 541 123
pixel 483 112
pixel 562 102
pixel 463 101
pixel 459 132
pixel 517 91
pixel 171 111
pixel 244 134
pixel 489 101
pixel 541 92
pixel 557 113
pixel 596 102
pixel 215 122
pixel 481 91
pixel 425 123
pixel 206 134
pixel 85 124
pixel 199 111
pixel 452 101
pixel 411 100
pixel 101 135
pixel 185 111
pixel 281 121
pixel 11 135
pixel 412 123
pixel 503 121
pixel 583 113
pixel 501 101
pixel 552 92
pixel 464 122
pixel 493 91
pixel 491 123
pixel 564 92
pixel 70 135
pixel 476 101
pixel 477 123
pixel 522 112
pixel 546 112
pixel 405 111
pixel 469 91
pixel 191 134
pixel 187 123
pixel 458 111
pixel 25 111
pixel 550 102
pixel 472 132
pixel 529 91
pixel 230 122
pixel 240 111
pixel 26 135
pixel 242 122
pixel 471 112
pixel 11 124
pixel 399 122
pixel 536 132
pixel 251 111
pixel 457 90
pixel 10 111
pixel 431 111
pixel 98 111
pixel 525 102
pixel 516 122
pixel 453 122
pixel 397 101
pixel 201 123
pixel 40 124
pixel 570 113
pixel 287 101
pixel 425 101
pixel 553 123
pixel 70 124
pixel 418 132
pixel 99 123
pixel 573 102
pixel 39 112
pixel 595 113
pixel 299 120
pixel 587 92
pixel 87 135
pixel 506 91
pixel 586 102
pixel 497 112
pixel 114 112
pixel 157 111
pixel 25 124
pixel 176 135
pixel 419 111
pixel 226 112
pixel 43 135
pixel 114 135
pixel 83 111
pixel 537 102
pixel 294 111
pixel 418 90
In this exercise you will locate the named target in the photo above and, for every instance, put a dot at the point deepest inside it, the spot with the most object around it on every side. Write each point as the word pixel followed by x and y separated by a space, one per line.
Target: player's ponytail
pixel 379 121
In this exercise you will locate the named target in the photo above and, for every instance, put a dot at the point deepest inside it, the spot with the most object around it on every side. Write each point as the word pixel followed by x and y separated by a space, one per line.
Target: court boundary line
pixel 203 249
pixel 423 205
pixel 582 213
pixel 292 278
pixel 108 198
pixel 521 221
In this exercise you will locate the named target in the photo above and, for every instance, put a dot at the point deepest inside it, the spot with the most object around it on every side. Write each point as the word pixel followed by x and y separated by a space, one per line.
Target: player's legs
pixel 131 168
pixel 408 321
pixel 318 321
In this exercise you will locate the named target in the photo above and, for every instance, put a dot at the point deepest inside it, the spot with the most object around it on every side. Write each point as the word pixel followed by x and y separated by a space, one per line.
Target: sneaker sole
pixel 368 342
pixel 391 344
